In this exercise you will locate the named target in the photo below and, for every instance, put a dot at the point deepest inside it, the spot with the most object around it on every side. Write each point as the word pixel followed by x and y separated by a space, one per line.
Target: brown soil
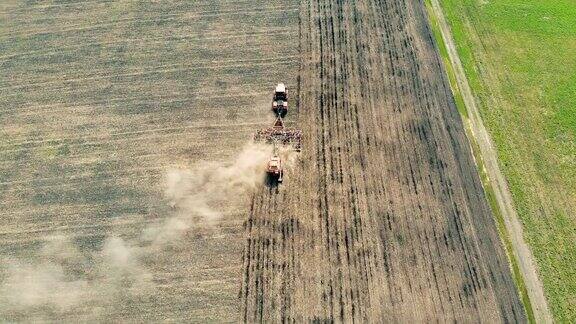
pixel 384 217
pixel 99 100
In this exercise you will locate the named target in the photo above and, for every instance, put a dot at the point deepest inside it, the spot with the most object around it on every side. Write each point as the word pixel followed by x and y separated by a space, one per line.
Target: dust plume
pixel 197 194
pixel 61 277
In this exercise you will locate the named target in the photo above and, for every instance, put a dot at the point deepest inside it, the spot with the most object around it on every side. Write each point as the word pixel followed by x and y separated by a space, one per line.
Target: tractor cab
pixel 280 100
pixel 280 93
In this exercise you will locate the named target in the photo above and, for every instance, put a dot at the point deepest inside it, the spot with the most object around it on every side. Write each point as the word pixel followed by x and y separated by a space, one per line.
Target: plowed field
pixel 384 218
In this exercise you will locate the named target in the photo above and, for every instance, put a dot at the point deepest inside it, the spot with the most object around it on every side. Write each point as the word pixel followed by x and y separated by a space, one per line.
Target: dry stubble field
pixel 385 218
pixel 382 218
pixel 99 101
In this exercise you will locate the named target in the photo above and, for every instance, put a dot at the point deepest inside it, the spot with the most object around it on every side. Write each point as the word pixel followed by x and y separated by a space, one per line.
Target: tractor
pixel 280 100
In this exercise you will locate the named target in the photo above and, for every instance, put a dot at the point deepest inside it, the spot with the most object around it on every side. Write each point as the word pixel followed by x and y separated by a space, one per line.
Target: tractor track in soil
pixel 384 216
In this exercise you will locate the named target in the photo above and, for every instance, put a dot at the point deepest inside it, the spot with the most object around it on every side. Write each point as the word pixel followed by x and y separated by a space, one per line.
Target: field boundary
pixel 498 194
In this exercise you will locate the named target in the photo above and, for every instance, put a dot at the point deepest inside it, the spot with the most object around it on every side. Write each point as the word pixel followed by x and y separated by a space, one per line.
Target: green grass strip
pixel 488 189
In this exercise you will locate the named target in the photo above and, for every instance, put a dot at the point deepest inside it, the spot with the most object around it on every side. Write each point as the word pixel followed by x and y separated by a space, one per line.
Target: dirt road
pixel 384 217
pixel 521 250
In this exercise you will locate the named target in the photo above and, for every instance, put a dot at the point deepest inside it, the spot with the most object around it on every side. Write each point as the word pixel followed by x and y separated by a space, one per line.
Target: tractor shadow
pixel 272 182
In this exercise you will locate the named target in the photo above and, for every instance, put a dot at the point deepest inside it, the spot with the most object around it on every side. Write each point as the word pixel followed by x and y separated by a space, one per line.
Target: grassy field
pixel 519 59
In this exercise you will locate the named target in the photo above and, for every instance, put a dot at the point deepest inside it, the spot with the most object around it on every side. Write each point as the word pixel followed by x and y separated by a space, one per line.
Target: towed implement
pixel 279 134
pixel 274 169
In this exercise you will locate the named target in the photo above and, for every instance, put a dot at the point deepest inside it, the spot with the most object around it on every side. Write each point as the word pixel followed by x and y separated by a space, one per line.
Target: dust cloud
pixel 196 194
pixel 61 278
